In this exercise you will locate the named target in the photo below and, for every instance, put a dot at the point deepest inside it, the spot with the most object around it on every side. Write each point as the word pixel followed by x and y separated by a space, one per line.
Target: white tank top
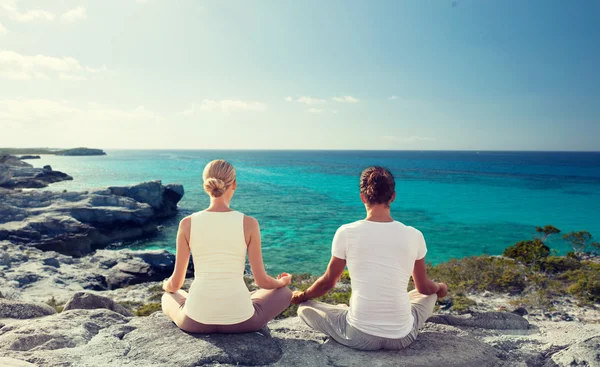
pixel 218 294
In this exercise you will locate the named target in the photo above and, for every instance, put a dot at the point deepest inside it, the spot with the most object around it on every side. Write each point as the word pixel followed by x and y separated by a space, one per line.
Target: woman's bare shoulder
pixel 250 223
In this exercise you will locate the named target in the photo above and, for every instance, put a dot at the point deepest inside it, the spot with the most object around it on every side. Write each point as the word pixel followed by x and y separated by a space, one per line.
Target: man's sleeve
pixel 421 246
pixel 340 244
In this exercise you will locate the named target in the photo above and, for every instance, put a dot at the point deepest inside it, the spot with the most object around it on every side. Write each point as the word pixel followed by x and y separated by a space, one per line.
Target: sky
pixel 188 74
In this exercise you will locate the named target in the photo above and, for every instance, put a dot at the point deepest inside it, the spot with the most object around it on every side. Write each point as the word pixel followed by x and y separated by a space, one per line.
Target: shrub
pixel 148 309
pixel 583 283
pixel 527 252
pixel 480 273
pixel 559 264
pixel 580 241
pixel 462 304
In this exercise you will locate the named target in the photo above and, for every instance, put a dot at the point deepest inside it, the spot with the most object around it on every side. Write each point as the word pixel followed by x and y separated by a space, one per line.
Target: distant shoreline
pixel 54 151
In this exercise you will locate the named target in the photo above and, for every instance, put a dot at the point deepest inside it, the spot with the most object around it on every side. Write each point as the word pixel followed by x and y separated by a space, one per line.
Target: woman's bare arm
pixel 324 284
pixel 182 257
pixel 425 285
pixel 261 278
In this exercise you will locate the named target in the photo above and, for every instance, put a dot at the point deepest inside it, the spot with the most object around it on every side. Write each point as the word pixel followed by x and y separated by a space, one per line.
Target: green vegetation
pixel 148 309
pixel 462 304
pixel 581 242
pixel 546 232
pixel 528 252
pixel 140 309
pixel 58 306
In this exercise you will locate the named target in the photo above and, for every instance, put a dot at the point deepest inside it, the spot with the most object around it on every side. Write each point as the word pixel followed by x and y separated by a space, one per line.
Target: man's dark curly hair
pixel 377 184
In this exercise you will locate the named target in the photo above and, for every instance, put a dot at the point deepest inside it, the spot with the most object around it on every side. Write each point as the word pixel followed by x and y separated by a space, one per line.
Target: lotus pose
pixel 219 239
pixel 381 254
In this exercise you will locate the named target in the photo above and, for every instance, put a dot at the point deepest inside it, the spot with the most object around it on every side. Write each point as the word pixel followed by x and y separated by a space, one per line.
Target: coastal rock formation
pixel 89 301
pixel 485 320
pixel 23 310
pixel 29 157
pixel 31 274
pixel 77 223
pixel 15 174
pixel 101 337
pixel 585 353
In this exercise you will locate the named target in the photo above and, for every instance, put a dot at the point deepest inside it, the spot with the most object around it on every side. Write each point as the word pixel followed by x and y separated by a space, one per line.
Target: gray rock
pixel 77 223
pixel 15 173
pixel 67 329
pixel 5 174
pixel 585 353
pixel 29 157
pixel 12 309
pixel 51 261
pixel 101 337
pixel 49 274
pixel 486 320
pixel 12 161
pixel 11 362
pixel 88 301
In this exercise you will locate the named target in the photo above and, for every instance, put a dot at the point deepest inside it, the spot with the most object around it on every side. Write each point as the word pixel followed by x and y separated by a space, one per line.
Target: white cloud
pixel 23 67
pixel 315 110
pixel 3 30
pixel 409 139
pixel 393 98
pixel 226 105
pixel 310 100
pixel 23 112
pixel 346 99
pixel 74 15
pixel 71 77
pixel 333 111
pixel 11 9
pixel 289 99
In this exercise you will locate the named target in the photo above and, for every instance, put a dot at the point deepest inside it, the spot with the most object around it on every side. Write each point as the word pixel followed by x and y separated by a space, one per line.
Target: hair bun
pixel 214 186
pixel 377 184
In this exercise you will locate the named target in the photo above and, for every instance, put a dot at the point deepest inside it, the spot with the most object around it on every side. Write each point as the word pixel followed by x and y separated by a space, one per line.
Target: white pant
pixel 331 320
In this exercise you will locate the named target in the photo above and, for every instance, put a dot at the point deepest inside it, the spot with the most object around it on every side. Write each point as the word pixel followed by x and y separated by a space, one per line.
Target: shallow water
pixel 465 203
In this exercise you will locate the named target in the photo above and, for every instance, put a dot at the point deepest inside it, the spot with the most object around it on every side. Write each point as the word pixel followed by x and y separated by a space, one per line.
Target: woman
pixel 381 255
pixel 219 239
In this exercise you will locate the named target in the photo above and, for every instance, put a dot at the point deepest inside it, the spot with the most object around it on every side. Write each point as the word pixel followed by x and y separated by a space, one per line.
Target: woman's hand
pixel 443 292
pixel 166 285
pixel 284 279
pixel 298 298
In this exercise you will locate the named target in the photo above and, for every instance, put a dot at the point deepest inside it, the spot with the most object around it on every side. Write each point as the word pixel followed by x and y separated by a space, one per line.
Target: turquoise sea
pixel 465 203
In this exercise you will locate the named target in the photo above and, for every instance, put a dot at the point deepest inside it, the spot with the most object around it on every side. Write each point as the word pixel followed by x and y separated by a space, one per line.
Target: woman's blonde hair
pixel 218 176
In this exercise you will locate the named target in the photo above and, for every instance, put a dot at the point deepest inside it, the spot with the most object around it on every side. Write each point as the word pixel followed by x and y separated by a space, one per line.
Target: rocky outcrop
pixel 585 353
pixel 103 337
pixel 12 161
pixel 486 320
pixel 15 174
pixel 23 310
pixel 89 301
pixel 35 275
pixel 77 223
pixel 29 157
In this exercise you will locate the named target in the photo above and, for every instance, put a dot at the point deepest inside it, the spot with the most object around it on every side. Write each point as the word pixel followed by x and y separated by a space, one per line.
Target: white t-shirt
pixel 380 258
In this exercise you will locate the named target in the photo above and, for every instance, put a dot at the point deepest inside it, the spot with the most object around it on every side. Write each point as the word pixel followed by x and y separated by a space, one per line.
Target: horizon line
pixel 324 150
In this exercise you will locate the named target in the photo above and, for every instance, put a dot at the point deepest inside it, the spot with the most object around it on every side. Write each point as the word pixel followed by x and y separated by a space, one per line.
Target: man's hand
pixel 443 292
pixel 298 298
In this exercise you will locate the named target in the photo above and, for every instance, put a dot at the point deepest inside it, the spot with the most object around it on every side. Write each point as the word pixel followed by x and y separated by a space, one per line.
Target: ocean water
pixel 465 203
